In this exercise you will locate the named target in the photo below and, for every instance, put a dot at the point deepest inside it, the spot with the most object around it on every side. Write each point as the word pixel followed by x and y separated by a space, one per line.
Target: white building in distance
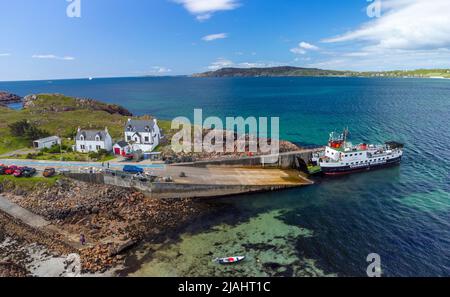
pixel 47 142
pixel 88 141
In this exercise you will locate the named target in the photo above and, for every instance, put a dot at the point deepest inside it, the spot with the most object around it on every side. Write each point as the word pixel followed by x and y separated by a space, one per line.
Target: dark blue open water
pixel 401 213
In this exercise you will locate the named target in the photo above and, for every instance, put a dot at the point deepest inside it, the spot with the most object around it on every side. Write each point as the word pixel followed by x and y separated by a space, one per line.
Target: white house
pixel 92 141
pixel 143 134
pixel 47 142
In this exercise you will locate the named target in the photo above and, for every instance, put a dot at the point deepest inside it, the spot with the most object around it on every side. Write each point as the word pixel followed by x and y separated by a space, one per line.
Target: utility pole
pixel 60 149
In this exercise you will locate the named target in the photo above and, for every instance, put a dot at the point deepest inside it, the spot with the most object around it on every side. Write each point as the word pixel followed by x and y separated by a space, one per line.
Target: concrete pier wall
pixel 283 161
pixel 161 190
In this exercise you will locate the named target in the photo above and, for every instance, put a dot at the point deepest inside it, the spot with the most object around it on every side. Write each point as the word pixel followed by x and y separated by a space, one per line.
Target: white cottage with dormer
pixel 88 141
pixel 143 134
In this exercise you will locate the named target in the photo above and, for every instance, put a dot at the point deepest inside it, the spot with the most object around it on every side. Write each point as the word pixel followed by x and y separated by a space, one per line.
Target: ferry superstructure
pixel 342 157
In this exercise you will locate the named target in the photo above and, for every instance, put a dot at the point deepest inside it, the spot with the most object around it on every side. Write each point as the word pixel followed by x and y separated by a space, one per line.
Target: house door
pixel 117 151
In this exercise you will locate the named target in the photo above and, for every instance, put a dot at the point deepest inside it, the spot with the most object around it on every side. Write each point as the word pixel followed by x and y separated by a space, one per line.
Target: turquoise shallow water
pixel 401 213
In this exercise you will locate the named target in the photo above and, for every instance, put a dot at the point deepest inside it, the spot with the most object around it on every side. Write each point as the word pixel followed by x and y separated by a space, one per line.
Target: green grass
pixel 65 156
pixel 48 114
pixel 30 183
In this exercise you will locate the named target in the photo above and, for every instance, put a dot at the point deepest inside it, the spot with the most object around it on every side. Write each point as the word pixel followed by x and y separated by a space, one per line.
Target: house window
pixel 83 147
pixel 147 139
pixel 99 147
pixel 129 138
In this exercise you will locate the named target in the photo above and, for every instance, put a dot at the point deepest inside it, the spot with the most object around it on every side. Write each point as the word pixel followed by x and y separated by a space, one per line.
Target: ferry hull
pixel 342 170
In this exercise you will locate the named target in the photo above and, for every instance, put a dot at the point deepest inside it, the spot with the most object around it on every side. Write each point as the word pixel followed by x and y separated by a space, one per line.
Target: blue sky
pixel 172 37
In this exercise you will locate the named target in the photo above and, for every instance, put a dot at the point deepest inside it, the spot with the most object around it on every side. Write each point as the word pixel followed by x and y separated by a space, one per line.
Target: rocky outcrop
pixel 8 98
pixel 171 157
pixel 112 219
pixel 50 103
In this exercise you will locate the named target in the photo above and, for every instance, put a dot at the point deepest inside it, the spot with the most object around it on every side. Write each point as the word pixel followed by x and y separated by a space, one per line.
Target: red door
pixel 117 151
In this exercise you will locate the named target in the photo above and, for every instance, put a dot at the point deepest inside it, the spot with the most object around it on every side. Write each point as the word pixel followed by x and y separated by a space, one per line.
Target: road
pixel 211 175
pixel 76 165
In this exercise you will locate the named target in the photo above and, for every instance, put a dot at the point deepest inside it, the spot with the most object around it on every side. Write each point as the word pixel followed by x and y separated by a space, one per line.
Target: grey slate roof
pixel 89 135
pixel 122 144
pixel 48 139
pixel 139 126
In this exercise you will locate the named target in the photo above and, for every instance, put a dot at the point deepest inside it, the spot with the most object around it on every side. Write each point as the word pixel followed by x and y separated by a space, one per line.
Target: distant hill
pixel 269 72
pixel 298 72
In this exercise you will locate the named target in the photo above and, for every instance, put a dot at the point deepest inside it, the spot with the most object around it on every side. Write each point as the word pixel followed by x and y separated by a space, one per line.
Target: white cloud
pixel 220 63
pixel 388 60
pixel 303 47
pixel 357 54
pixel 53 57
pixel 406 25
pixel 204 9
pixel 215 36
pixel 410 34
pixel 308 46
pixel 5 54
pixel 160 70
pixel 298 51
pixel 225 63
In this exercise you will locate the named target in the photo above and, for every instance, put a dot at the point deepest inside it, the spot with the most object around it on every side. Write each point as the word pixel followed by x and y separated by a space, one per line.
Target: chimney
pixel 106 129
pixel 79 129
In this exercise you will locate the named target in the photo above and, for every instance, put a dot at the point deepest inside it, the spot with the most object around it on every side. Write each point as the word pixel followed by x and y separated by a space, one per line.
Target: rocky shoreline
pixel 32 101
pixel 171 157
pixel 112 219
pixel 8 98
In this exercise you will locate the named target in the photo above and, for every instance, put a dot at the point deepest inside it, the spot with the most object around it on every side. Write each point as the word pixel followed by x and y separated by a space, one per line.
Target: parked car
pixel 141 177
pixel 10 170
pixel 18 172
pixel 132 169
pixel 3 169
pixel 49 172
pixel 28 172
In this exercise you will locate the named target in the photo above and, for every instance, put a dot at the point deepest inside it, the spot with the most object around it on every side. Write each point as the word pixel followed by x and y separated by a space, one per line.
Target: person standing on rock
pixel 82 239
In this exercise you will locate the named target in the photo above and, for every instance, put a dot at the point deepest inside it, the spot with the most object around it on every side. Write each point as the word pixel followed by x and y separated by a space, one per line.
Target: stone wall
pixel 283 161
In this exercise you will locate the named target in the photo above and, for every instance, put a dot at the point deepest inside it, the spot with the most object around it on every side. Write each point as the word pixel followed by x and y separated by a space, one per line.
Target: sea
pixel 401 213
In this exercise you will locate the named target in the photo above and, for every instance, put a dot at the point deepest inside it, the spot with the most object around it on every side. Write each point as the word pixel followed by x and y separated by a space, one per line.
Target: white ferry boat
pixel 342 157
